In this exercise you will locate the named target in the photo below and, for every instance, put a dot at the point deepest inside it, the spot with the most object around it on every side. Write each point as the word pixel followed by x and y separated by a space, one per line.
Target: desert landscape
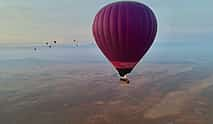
pixel 93 94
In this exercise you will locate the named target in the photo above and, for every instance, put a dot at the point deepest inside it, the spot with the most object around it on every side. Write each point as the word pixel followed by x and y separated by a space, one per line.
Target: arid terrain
pixel 92 94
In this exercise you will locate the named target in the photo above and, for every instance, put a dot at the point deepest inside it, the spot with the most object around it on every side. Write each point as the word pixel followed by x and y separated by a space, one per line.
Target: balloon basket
pixel 125 79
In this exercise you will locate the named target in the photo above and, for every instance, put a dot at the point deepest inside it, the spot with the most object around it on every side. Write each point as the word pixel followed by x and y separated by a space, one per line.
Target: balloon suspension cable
pixel 124 79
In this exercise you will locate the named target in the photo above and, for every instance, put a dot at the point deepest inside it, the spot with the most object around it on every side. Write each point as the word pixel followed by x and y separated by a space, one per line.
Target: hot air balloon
pixel 54 41
pixel 75 43
pixel 124 31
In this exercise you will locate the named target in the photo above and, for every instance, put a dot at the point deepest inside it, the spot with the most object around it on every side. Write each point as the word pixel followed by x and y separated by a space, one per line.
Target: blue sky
pixel 64 20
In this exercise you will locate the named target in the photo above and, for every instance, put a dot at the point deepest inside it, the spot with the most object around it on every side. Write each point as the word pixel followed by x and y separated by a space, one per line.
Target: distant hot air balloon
pixel 124 31
pixel 54 41
pixel 75 43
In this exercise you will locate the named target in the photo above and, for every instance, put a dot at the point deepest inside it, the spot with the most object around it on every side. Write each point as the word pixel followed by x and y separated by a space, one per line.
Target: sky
pixel 34 21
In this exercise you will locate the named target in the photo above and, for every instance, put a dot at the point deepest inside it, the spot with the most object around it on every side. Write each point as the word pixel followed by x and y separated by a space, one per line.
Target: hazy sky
pixel 64 20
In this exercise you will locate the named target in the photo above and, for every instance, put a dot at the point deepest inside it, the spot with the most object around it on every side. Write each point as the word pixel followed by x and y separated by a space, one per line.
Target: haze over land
pixel 68 85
